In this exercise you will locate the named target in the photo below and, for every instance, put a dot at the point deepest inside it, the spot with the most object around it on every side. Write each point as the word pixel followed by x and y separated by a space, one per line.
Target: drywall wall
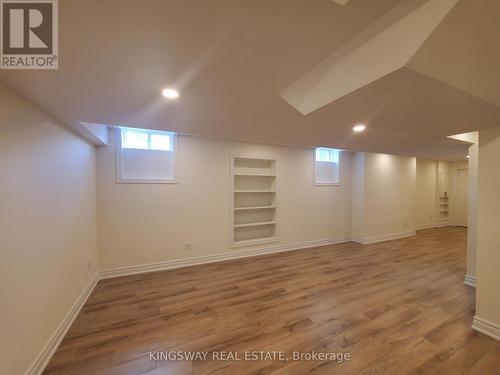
pixel 426 193
pixel 488 235
pixel 390 183
pixel 149 223
pixel 387 196
pixel 47 227
pixel 358 196
pixel 380 197
pixel 97 134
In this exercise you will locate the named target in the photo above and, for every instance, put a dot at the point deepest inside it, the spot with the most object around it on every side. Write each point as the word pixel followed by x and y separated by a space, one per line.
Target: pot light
pixel 468 156
pixel 359 128
pixel 170 94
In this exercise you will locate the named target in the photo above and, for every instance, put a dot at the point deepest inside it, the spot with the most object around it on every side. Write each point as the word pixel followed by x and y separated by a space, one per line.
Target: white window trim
pixel 118 163
pixel 314 171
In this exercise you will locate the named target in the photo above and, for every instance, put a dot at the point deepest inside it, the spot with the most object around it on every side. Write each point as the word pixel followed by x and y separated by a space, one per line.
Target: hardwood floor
pixel 398 307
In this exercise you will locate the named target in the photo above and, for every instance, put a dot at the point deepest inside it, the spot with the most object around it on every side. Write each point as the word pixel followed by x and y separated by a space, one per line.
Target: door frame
pixel 455 198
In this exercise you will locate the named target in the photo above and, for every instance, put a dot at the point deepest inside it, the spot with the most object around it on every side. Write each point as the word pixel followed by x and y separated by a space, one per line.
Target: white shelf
pixel 258 159
pixel 254 208
pixel 255 191
pixel 254 200
pixel 255 224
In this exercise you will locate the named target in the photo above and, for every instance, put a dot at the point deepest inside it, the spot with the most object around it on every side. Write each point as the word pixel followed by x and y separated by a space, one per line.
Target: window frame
pixel 118 159
pixel 149 133
pixel 330 151
pixel 339 167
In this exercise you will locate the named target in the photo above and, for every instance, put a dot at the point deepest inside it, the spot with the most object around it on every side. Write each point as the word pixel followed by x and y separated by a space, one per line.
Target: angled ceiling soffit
pixel 383 47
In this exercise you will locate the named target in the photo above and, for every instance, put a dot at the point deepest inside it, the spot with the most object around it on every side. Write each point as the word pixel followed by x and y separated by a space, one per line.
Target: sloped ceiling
pixel 464 51
pixel 231 60
pixel 385 46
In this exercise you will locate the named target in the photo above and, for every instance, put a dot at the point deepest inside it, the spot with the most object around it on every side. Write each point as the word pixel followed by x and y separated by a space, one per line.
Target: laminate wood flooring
pixel 397 307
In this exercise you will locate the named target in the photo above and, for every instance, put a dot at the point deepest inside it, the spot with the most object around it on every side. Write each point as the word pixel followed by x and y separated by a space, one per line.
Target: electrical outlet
pixel 187 245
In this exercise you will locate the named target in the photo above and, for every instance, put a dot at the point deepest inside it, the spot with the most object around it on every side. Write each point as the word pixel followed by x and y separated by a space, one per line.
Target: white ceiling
pixel 383 47
pixel 231 59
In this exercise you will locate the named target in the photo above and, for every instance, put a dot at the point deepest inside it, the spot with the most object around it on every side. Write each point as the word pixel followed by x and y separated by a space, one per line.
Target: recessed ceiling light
pixel 359 128
pixel 170 93
pixel 468 156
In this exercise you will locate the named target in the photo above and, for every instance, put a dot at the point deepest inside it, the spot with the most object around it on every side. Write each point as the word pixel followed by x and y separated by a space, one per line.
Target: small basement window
pixel 326 166
pixel 145 156
pixel 140 139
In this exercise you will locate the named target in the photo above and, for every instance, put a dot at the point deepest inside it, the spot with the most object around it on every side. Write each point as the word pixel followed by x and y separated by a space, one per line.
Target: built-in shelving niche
pixel 254 200
pixel 444 198
pixel 444 207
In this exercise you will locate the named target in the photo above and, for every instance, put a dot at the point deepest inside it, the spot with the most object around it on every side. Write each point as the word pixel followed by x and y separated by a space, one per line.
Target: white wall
pixel 488 234
pixel 149 223
pixel 387 196
pixel 358 196
pixel 47 227
pixel 426 193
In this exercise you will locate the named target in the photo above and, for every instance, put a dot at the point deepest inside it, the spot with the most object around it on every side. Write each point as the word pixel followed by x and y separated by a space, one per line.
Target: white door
pixel 462 199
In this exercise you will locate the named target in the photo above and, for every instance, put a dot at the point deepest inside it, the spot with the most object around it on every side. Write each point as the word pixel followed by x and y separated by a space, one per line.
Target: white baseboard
pixel 171 264
pixel 48 351
pixel 384 237
pixel 470 280
pixel 426 226
pixel 486 327
pixel 443 224
pixel 434 225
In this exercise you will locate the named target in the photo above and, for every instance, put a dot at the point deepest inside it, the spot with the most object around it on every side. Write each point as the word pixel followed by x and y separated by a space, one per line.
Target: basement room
pixel 239 187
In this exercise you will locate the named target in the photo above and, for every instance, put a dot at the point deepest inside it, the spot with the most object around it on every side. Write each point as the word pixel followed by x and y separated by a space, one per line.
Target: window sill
pixel 145 181
pixel 326 184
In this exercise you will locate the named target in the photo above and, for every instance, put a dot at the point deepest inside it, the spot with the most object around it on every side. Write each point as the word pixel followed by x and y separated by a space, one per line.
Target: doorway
pixel 462 197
